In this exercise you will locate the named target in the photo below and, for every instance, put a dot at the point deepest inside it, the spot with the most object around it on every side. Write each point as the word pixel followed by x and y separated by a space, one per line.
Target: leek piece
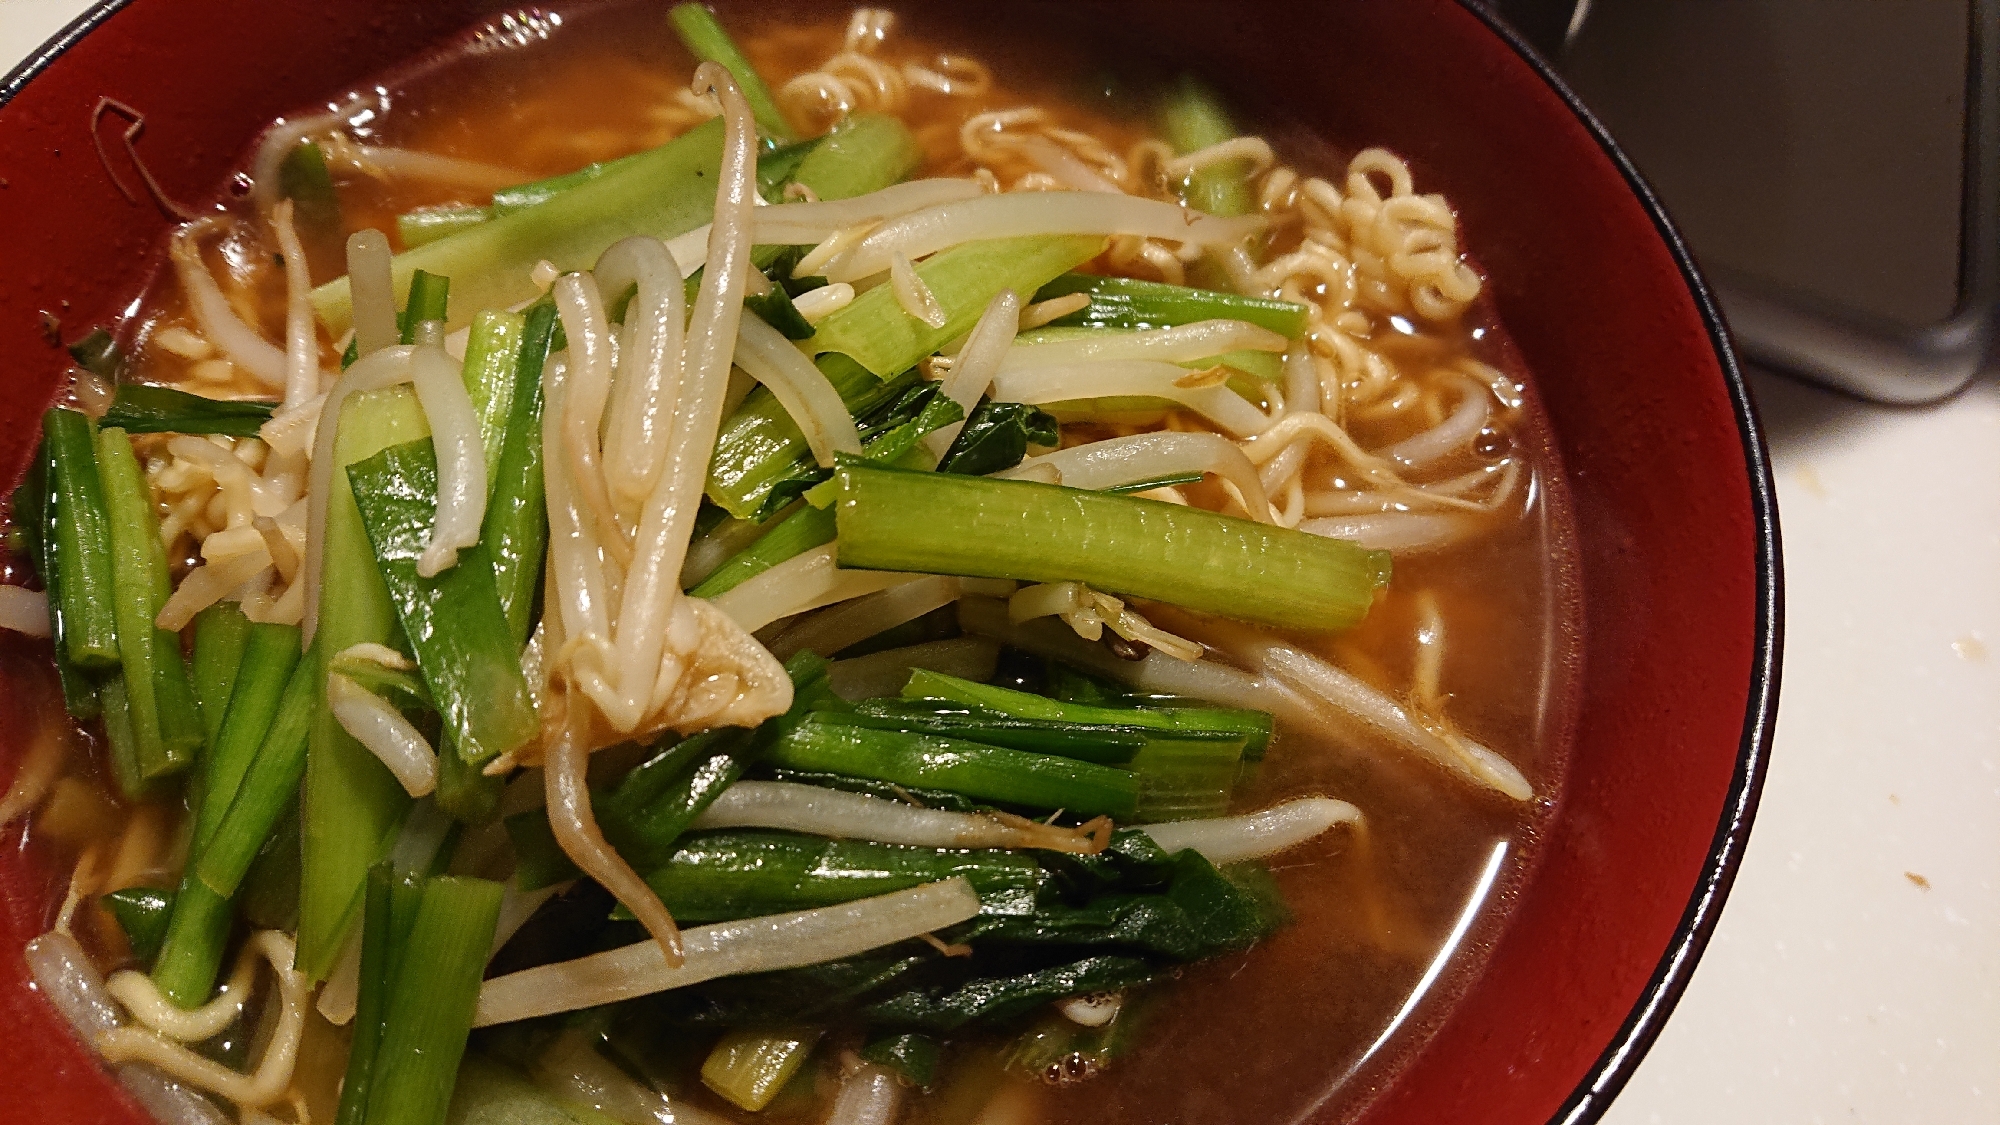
pixel 457 629
pixel 429 300
pixel 665 192
pixel 790 537
pixel 304 179
pixel 876 333
pixel 269 784
pixel 864 153
pixel 984 773
pixel 191 953
pixel 220 633
pixel 141 912
pixel 352 803
pixel 759 445
pixel 428 224
pixel 723 876
pixel 1253 726
pixel 704 37
pixel 166 728
pixel 427 1015
pixel 940 523
pixel 115 708
pixel 1192 117
pixel 748 1068
pixel 140 409
pixel 388 912
pixel 76 529
pixel 516 530
pixel 492 355
pixel 1123 302
pixel 914 1057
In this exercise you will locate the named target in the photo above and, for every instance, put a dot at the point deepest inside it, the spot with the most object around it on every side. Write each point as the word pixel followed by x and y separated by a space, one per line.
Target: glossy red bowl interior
pixel 1666 472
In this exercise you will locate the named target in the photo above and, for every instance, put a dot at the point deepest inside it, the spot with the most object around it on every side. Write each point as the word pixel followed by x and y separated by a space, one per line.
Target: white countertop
pixel 1855 975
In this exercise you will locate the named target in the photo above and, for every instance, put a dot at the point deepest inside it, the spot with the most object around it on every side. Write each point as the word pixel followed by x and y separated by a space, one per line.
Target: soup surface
pixel 1474 634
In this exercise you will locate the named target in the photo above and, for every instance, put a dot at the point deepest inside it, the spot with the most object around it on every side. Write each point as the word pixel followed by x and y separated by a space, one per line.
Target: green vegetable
pixel 913 1057
pixel 116 707
pixel 662 193
pixel 1103 743
pixel 864 153
pixel 457 629
pixel 220 634
pixel 1120 302
pixel 389 911
pixel 759 446
pixel 748 1068
pixel 429 299
pixel 998 436
pixel 516 530
pixel 803 530
pixel 492 357
pixel 718 876
pixel 138 408
pixel 142 913
pixel 269 784
pixel 706 40
pixel 948 1007
pixel 1192 117
pixel 166 727
pixel 427 1015
pixel 941 523
pixel 304 179
pixel 876 333
pixel 84 595
pixel 192 951
pixel 428 224
pixel 491 1094
pixel 98 354
pixel 352 803
pixel 985 773
pixel 1254 726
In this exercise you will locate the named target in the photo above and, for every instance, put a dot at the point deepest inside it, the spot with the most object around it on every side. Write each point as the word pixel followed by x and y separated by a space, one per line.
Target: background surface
pixel 1855 975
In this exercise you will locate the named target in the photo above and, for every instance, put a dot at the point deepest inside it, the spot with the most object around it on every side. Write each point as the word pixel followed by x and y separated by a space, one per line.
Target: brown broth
pixel 1388 923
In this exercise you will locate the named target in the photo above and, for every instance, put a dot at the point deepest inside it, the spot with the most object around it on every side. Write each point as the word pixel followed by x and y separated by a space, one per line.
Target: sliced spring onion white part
pixel 973 369
pixel 1455 432
pixel 1018 214
pixel 884 673
pixel 1142 457
pixel 1186 343
pixel 869 1095
pixel 219 324
pixel 1232 839
pixel 1068 382
pixel 369 275
pixel 375 723
pixel 857 816
pixel 849 623
pixel 273 1076
pixel 302 377
pixel 461 459
pixel 753 945
pixel 912 294
pixel 1404 533
pixel 801 583
pixel 801 388
pixel 24 611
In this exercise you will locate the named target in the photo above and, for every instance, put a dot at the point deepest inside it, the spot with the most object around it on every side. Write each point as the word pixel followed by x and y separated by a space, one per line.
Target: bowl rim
pixel 1635 1036
pixel 1641 1027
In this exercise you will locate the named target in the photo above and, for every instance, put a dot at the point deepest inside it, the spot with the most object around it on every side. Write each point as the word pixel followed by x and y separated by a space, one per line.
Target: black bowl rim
pixel 1628 1046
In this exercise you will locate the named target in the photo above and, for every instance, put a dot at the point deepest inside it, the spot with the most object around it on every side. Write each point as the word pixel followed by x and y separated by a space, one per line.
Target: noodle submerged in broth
pixel 900 580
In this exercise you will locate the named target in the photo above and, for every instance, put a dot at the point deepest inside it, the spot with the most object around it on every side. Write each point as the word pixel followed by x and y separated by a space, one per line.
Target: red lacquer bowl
pixel 1655 431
